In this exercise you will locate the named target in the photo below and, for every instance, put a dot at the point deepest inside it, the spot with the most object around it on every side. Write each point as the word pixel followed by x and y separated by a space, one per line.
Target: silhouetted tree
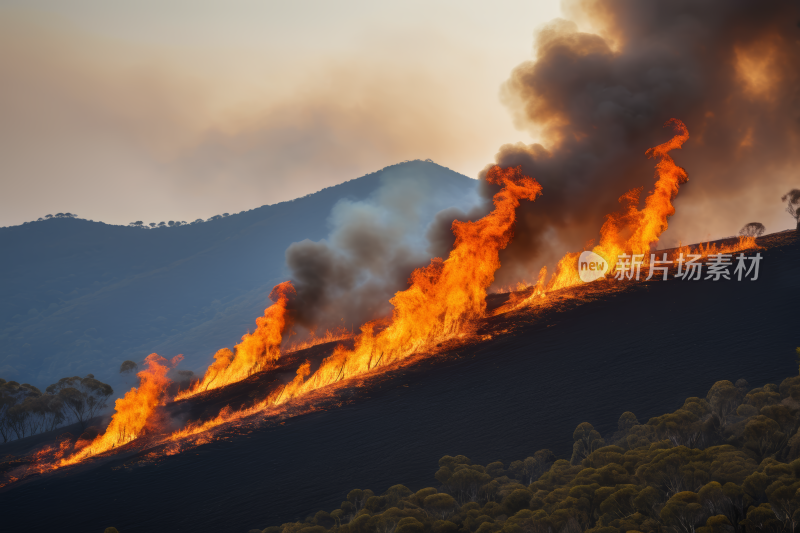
pixel 753 229
pixel 792 199
pixel 137 224
pixel 152 224
pixel 14 412
pixel 83 397
pixel 128 367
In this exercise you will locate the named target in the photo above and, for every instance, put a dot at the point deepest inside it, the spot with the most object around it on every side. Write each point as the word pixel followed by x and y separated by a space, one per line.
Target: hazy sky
pixel 181 110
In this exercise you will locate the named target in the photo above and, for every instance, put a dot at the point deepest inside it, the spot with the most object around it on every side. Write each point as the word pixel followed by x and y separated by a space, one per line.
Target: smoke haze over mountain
pixel 371 251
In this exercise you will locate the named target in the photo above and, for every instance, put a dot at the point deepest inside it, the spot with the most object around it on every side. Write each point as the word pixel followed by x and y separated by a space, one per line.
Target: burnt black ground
pixel 643 350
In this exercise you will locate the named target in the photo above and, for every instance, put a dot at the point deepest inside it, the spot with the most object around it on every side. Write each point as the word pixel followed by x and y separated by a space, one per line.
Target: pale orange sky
pixel 178 110
pixel 182 110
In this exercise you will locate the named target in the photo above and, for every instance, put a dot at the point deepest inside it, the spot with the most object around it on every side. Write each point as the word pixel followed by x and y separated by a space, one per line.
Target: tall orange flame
pixel 644 226
pixel 442 300
pixel 257 351
pixel 133 410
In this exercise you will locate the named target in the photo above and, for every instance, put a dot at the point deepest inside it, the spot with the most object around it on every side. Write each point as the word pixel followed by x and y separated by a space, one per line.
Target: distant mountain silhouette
pixel 80 297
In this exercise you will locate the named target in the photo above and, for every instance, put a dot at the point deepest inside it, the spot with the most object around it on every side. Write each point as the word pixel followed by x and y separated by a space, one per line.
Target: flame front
pixel 443 298
pixel 132 411
pixel 442 303
pixel 644 226
pixel 257 351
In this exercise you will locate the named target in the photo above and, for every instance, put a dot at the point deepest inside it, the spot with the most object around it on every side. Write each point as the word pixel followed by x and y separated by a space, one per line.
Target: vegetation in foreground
pixel 729 462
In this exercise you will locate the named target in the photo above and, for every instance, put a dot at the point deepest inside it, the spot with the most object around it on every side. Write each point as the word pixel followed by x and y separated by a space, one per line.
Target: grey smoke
pixel 374 245
pixel 729 69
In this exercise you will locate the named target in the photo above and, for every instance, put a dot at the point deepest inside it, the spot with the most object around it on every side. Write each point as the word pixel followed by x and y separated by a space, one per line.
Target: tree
pixel 128 367
pixel 83 397
pixel 723 398
pixel 137 224
pixel 683 511
pixel 152 224
pixel 586 440
pixel 763 436
pixel 531 468
pixel 45 412
pixel 440 505
pixel 627 421
pixel 517 500
pixel 753 229
pixel 792 199
pixel 14 413
pixel 48 216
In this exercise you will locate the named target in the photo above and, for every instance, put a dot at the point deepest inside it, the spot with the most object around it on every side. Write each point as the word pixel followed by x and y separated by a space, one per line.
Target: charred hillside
pixel 590 358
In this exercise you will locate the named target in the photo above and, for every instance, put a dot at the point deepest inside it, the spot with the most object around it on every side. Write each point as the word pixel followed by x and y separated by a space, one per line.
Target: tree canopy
pixel 725 463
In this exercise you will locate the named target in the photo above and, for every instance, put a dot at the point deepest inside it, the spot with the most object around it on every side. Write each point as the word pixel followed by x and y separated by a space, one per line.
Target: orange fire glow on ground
pixel 442 306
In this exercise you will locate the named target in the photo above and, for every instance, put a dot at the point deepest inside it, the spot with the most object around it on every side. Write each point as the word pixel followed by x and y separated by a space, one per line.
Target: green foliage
pixel 726 463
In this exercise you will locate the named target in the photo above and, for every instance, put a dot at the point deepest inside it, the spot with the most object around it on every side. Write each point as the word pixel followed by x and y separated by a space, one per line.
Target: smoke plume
pixel 597 100
pixel 374 245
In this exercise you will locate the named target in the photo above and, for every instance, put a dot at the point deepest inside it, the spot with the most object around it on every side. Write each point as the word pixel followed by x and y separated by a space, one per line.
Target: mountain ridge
pixel 84 296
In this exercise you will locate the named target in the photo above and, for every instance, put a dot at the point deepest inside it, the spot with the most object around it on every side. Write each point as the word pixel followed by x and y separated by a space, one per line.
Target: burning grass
pixel 441 308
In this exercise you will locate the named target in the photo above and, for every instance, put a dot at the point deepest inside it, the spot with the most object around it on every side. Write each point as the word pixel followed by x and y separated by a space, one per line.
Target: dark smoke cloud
pixel 728 69
pixel 370 253
pixel 440 233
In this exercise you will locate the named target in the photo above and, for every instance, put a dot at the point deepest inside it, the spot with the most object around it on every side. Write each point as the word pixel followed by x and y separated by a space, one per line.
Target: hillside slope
pixel 79 297
pixel 644 349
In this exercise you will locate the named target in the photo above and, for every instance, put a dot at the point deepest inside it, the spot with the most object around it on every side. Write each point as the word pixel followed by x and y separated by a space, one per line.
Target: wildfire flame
pixel 337 334
pixel 443 298
pixel 644 226
pixel 133 410
pixel 257 351
pixel 442 303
